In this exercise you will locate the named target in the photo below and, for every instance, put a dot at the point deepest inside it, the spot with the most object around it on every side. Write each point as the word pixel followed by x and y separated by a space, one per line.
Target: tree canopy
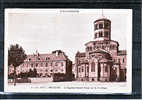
pixel 16 55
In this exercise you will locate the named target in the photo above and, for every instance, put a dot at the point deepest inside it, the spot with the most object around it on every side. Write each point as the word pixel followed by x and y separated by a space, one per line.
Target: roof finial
pixel 103 13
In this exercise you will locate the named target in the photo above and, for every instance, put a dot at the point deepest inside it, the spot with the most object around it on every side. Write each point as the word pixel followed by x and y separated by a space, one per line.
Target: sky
pixel 68 30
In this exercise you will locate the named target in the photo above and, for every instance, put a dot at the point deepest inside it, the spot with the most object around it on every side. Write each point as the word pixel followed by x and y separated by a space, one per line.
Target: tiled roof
pixel 102 19
pixel 80 54
pixel 84 62
pixel 103 41
pixel 46 57
pixel 105 60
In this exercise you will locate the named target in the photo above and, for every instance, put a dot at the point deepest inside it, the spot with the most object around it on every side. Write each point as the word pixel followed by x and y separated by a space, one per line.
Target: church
pixel 102 60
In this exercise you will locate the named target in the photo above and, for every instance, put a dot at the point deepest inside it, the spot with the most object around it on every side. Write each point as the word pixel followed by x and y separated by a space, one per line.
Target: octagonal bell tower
pixel 102 29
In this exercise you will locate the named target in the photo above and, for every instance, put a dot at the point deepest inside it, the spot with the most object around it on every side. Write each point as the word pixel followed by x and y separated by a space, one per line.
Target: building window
pixel 100 34
pixel 78 69
pixel 78 61
pixel 94 47
pixel 47 58
pixel 56 64
pixel 62 64
pixel 51 63
pixel 96 26
pixel 118 60
pixel 92 79
pixel 87 69
pixel 106 34
pixel 92 67
pixel 123 60
pixel 96 35
pixel 90 48
pixel 110 46
pixel 31 65
pixel 46 64
pixel 113 46
pixel 40 74
pixel 102 47
pixel 100 26
pixel 36 64
pixel 106 25
pixel 82 69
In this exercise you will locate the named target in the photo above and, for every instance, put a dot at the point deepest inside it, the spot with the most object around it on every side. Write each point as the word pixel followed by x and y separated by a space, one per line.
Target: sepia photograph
pixel 68 51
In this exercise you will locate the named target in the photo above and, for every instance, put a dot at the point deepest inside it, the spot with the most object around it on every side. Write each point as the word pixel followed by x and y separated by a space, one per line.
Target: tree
pixel 16 56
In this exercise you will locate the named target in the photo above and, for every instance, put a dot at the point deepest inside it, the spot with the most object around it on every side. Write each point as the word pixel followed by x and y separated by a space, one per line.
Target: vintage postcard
pixel 86 51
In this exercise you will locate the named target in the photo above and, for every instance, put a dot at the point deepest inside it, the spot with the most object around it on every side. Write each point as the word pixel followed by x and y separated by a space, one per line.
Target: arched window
pixel 106 69
pixel 100 26
pixel 100 34
pixel 82 69
pixel 106 25
pixel 92 67
pixel 106 34
pixel 96 26
pixel 87 69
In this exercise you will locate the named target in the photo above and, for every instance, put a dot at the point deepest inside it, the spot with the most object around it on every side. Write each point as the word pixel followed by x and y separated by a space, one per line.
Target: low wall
pixel 41 80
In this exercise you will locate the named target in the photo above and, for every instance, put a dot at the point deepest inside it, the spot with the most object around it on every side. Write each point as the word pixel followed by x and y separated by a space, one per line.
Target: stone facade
pixel 102 59
pixel 46 65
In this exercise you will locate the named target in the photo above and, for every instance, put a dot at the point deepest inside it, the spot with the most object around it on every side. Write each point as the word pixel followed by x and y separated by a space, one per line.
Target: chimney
pixel 57 53
pixel 37 53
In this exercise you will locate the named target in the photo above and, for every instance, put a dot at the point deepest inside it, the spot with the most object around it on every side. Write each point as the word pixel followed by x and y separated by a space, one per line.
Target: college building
pixel 46 65
pixel 102 59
